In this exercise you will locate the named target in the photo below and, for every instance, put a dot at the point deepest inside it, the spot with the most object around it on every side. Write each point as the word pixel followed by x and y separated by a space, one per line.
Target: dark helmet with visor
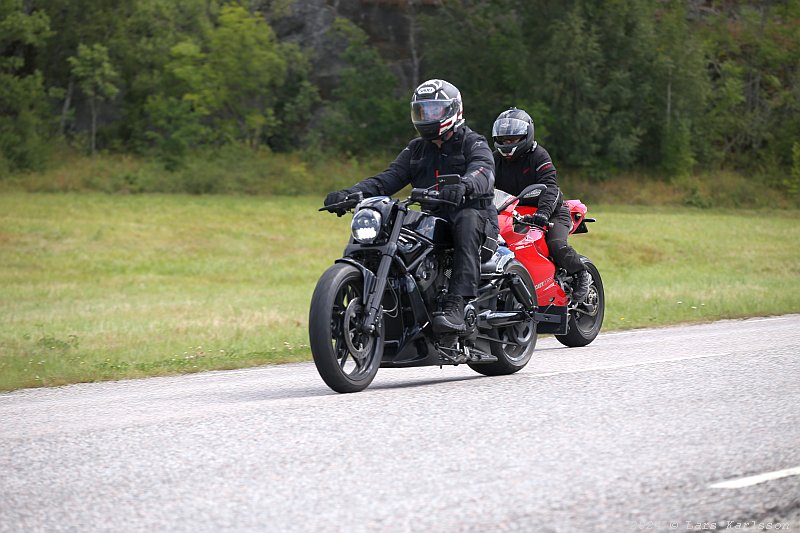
pixel 436 109
pixel 513 125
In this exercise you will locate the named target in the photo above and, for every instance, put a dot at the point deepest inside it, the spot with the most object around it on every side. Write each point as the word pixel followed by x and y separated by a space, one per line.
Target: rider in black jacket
pixel 520 161
pixel 445 146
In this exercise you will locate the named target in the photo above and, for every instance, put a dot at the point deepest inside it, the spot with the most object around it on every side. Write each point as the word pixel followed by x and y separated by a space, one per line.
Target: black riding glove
pixel 337 197
pixel 539 219
pixel 453 193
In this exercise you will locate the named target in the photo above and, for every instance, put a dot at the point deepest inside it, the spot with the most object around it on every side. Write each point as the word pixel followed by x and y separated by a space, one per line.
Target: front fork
pixel 375 297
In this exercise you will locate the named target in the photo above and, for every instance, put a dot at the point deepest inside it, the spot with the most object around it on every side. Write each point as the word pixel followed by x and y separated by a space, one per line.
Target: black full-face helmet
pixel 513 133
pixel 436 109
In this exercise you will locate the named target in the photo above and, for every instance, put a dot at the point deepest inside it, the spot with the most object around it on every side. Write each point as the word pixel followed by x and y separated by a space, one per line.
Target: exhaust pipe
pixel 501 318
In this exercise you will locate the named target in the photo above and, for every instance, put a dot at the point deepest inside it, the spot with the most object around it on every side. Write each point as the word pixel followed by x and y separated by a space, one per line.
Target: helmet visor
pixel 509 127
pixel 430 110
pixel 509 139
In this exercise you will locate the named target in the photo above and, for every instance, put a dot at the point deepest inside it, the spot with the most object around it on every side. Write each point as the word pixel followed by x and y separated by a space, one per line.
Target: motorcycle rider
pixel 445 146
pixel 520 161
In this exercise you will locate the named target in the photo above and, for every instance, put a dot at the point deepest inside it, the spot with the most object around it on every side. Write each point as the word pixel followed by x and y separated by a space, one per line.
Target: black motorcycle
pixel 373 307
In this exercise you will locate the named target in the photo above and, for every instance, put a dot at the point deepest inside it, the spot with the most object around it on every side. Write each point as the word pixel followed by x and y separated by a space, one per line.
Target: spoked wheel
pixel 346 358
pixel 586 318
pixel 516 343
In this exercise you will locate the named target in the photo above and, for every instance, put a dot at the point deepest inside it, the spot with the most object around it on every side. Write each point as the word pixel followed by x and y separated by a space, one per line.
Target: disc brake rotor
pixel 358 343
pixel 587 310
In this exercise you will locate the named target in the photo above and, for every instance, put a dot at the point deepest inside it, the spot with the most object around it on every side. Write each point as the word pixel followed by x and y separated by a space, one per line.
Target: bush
pixel 677 159
pixel 793 183
pixel 232 169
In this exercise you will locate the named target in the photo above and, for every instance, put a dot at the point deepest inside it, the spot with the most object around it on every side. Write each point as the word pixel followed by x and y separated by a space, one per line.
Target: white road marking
pixel 755 480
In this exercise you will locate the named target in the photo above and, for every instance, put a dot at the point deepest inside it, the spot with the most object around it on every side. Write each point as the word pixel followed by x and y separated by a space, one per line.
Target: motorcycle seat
pixel 489 267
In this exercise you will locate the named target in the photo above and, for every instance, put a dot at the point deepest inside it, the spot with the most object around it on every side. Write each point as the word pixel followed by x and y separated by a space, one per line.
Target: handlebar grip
pixel 526 220
pixel 424 194
pixel 350 201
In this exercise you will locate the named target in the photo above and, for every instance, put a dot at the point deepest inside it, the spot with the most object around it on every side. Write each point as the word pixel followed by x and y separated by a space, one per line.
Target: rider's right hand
pixel 336 197
pixel 453 193
pixel 537 219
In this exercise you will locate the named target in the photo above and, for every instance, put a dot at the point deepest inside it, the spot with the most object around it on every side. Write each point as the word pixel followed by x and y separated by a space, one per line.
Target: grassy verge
pixel 98 287
pixel 241 171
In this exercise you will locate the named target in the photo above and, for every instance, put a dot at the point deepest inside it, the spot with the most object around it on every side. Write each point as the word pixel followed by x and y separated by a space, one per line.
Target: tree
pixel 23 111
pixel 754 52
pixel 96 76
pixel 365 115
pixel 681 90
pixel 177 119
pixel 571 83
pixel 295 101
pixel 141 50
pixel 74 22
pixel 493 72
pixel 792 183
pixel 243 69
pixel 230 83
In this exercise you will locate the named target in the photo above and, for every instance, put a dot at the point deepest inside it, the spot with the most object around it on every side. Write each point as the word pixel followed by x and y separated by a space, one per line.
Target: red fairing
pixel 576 207
pixel 530 249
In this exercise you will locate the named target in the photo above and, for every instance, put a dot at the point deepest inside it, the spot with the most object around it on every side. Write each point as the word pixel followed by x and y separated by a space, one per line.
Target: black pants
pixel 562 253
pixel 469 232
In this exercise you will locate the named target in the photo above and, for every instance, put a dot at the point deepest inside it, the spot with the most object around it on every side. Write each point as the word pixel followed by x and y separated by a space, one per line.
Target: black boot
pixel 580 286
pixel 451 317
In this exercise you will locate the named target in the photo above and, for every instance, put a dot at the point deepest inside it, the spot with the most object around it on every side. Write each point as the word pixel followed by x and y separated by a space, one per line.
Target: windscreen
pixel 500 197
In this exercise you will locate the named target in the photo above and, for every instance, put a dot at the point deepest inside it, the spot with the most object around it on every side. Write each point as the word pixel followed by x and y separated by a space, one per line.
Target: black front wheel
pixel 586 318
pixel 346 358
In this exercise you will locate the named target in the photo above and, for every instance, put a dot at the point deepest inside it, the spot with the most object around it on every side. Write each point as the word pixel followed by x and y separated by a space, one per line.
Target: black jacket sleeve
pixel 544 172
pixel 479 175
pixel 391 180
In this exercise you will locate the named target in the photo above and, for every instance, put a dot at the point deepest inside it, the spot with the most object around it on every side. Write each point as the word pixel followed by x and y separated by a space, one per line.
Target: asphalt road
pixel 627 434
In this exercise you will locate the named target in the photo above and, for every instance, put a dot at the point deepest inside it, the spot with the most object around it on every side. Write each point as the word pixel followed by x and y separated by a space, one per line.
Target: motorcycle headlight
pixel 366 226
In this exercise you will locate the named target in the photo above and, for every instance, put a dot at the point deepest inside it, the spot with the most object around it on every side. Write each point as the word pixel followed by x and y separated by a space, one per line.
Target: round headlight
pixel 366 226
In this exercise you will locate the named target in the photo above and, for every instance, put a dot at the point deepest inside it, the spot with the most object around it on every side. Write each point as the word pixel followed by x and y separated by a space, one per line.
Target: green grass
pixel 96 287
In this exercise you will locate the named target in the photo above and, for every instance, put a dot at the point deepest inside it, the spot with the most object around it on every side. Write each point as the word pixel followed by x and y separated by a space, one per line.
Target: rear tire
pixel 586 319
pixel 346 359
pixel 514 354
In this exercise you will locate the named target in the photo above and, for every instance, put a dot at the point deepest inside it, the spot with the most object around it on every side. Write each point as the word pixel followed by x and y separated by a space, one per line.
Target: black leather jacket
pixel 536 166
pixel 466 153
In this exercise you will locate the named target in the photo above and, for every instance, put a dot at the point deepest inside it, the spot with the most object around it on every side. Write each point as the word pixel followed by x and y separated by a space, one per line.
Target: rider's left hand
pixel 337 197
pixel 453 193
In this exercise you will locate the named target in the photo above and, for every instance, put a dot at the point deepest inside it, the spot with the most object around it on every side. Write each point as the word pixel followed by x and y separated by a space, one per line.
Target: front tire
pixel 587 318
pixel 346 358
pixel 516 343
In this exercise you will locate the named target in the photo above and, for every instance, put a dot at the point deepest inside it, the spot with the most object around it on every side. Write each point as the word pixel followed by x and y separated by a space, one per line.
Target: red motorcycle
pixel 572 324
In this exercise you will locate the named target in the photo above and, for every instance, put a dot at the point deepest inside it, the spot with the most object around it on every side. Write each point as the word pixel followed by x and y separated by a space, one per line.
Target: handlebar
pixel 522 220
pixel 350 201
pixel 420 196
pixel 428 196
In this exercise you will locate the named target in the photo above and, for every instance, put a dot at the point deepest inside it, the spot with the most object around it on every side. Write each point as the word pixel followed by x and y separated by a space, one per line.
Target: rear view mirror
pixel 532 191
pixel 448 179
